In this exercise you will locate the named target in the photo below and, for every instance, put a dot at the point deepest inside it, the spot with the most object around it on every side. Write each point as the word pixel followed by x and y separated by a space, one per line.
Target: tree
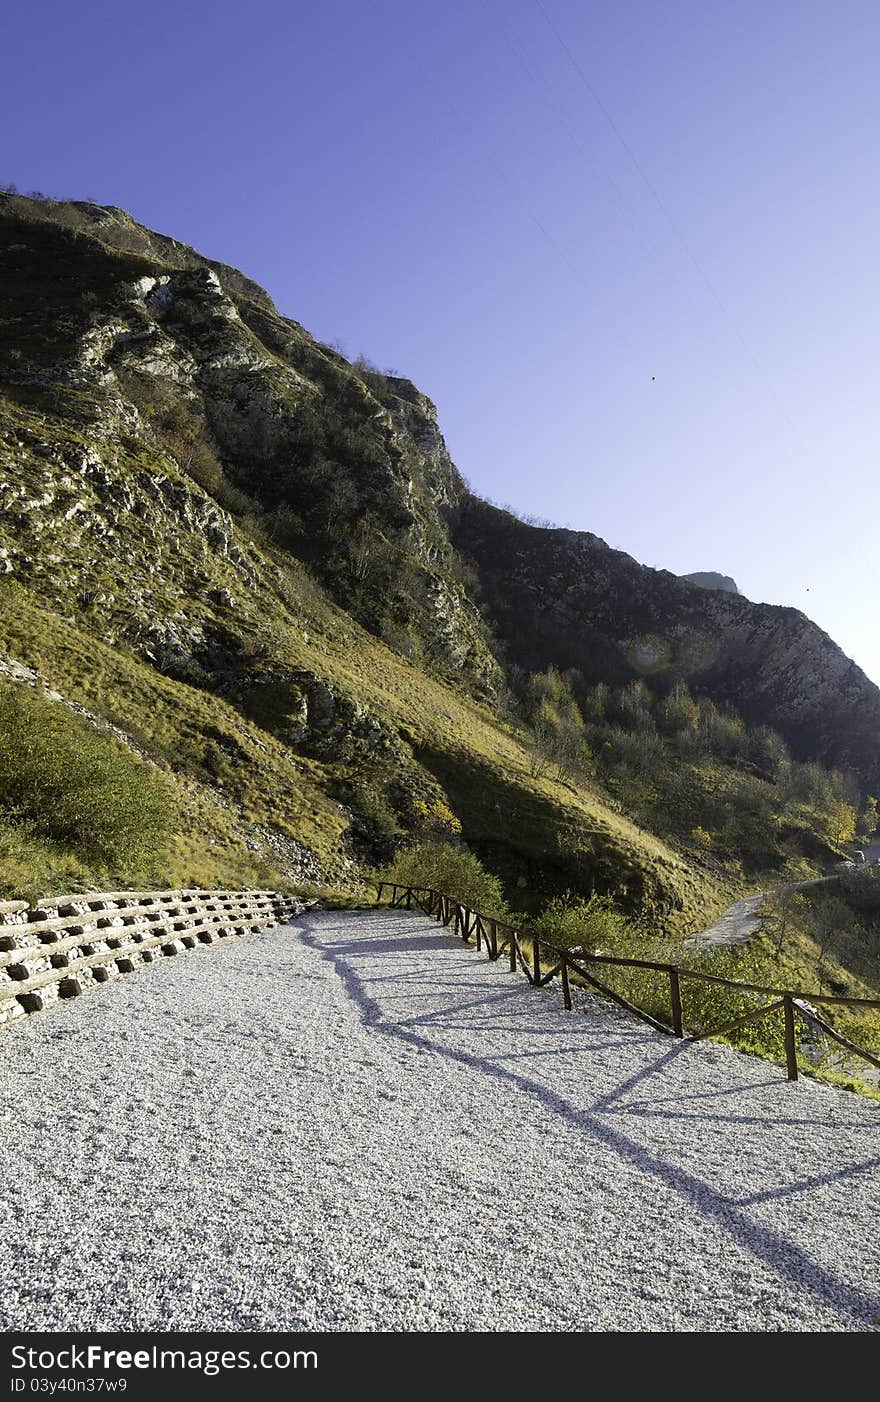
pixel 543 727
pixel 570 749
pixel 595 703
pixel 678 711
pixel 781 911
pixel 840 822
pixel 633 705
pixel 769 752
pixel 869 820
pixel 340 497
pixel 368 551
pixel 829 916
pixel 557 726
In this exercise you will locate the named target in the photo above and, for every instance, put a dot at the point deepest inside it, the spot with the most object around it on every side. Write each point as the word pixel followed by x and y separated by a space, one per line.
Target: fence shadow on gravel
pixel 598 1122
pixel 531 956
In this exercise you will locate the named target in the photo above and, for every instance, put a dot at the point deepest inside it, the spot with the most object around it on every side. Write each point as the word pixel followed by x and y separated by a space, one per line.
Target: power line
pixel 562 117
pixel 636 163
pixel 509 180
pixel 670 220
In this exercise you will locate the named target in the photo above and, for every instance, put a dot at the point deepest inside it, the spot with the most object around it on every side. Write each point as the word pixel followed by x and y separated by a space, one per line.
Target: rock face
pixel 176 390
pixel 708 579
pixel 169 444
pixel 565 597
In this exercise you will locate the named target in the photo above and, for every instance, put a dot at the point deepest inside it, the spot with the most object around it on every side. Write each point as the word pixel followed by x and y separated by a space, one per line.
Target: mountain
pixel 708 579
pixel 566 597
pixel 255 566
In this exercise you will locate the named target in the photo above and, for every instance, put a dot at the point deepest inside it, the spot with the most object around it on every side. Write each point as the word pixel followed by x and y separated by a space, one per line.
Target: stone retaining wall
pixel 65 944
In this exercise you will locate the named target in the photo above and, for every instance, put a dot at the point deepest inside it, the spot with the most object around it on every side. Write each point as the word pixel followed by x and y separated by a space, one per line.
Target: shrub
pixel 589 924
pixel 32 867
pixel 861 890
pixel 436 819
pixel 375 829
pixel 452 869
pixel 709 1005
pixel 678 711
pixel 61 779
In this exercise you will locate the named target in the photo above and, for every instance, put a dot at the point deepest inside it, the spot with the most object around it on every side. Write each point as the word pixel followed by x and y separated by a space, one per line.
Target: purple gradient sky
pixel 533 209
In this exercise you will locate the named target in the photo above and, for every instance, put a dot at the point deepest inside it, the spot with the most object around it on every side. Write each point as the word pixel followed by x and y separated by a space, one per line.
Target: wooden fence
pixel 501 940
pixel 61 946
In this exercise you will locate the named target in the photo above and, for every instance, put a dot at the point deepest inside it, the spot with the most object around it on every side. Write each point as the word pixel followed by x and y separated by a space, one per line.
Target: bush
pixel 710 1005
pixel 63 780
pixel 705 1005
pixel 375 830
pixel 590 924
pixel 436 819
pixel 453 870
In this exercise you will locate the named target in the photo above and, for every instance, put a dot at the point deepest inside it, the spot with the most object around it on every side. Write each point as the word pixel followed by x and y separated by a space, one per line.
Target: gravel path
pixel 356 1123
pixel 735 926
pixel 740 921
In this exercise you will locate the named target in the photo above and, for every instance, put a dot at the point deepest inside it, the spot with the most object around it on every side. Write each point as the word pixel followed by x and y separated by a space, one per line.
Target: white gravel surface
pixel 356 1123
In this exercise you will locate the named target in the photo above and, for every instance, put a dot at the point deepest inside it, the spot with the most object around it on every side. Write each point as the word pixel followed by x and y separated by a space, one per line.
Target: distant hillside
pixel 253 564
pixel 565 597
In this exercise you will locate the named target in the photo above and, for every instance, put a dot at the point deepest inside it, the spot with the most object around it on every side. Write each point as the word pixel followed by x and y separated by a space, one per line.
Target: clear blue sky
pixel 629 249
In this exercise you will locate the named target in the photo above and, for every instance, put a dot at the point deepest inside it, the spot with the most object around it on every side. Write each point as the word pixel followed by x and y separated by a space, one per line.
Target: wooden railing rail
pixel 499 939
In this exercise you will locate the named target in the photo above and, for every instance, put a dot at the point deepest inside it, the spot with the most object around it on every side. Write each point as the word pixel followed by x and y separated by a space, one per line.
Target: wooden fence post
pixel 536 962
pixel 790 1048
pixel 566 991
pixel 675 997
pixel 513 951
pixel 492 939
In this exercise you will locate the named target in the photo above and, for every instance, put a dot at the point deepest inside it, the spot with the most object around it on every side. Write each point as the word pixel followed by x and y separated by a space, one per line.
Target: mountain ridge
pixel 711 579
pixel 615 619
pixel 276 547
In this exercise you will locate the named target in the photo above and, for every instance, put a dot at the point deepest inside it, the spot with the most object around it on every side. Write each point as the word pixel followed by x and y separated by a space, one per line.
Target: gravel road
pixel 356 1123
pixel 735 926
pixel 740 921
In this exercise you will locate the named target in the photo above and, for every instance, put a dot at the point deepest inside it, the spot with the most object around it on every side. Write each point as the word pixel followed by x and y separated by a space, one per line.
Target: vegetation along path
pixel 356 1123
pixel 743 919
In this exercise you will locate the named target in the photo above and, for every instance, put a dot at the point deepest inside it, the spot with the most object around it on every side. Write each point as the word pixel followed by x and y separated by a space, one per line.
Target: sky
pixel 629 249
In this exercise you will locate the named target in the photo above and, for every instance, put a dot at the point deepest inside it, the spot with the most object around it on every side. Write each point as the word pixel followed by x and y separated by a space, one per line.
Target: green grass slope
pixel 228 547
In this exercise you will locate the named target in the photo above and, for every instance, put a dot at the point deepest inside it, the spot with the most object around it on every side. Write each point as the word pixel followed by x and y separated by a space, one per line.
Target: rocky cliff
pixel 709 579
pixel 565 597
pixel 257 562
pixel 176 390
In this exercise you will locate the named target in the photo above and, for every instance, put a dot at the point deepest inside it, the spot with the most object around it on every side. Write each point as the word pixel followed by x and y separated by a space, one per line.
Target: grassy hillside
pixel 233 782
pixel 228 551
